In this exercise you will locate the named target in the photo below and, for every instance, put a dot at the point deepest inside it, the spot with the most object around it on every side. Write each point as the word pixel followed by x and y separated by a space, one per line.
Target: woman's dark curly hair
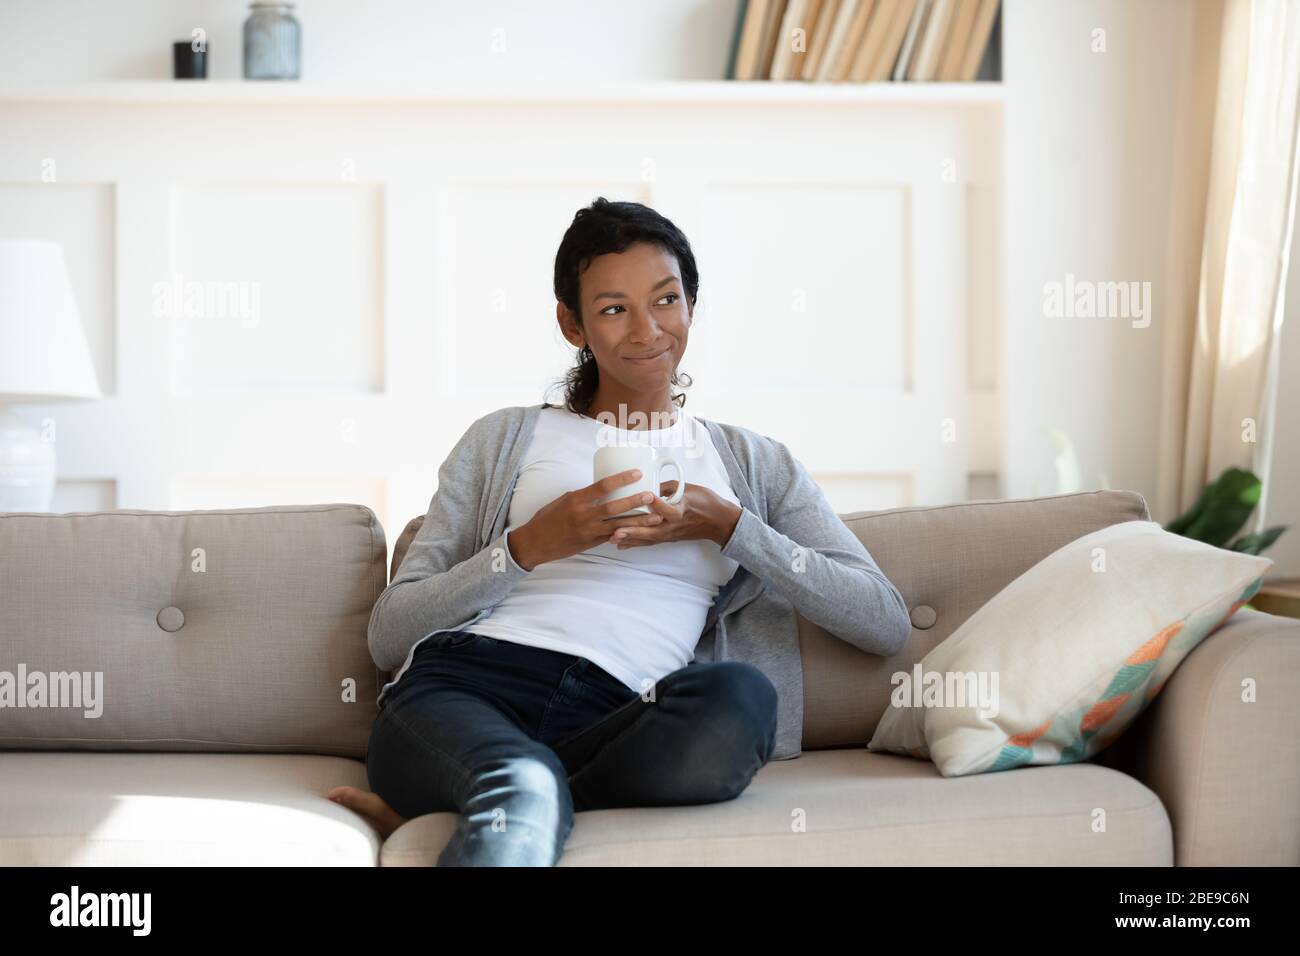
pixel 611 227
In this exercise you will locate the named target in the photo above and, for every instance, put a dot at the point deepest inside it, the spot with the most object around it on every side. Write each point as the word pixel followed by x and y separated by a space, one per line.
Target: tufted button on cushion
pixel 923 617
pixel 170 619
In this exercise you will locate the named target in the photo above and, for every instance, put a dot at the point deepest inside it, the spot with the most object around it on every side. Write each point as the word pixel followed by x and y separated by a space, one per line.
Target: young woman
pixel 557 658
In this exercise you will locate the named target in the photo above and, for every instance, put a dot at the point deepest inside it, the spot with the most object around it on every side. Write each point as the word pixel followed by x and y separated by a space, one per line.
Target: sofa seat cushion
pixel 133 809
pixel 864 808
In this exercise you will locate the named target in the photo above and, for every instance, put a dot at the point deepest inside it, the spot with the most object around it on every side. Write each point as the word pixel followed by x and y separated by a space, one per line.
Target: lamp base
pixel 26 466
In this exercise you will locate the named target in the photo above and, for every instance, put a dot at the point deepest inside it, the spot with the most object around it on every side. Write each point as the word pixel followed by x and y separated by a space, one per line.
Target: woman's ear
pixel 569 326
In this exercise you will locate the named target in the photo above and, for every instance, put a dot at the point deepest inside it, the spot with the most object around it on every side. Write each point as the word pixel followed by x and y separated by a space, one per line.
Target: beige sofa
pixel 237 690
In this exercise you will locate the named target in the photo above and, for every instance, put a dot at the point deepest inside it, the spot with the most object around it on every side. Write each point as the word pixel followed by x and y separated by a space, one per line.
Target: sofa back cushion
pixel 947 561
pixel 237 631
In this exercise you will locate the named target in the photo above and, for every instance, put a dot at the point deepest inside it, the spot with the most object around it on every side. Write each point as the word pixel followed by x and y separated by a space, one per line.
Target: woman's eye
pixel 669 295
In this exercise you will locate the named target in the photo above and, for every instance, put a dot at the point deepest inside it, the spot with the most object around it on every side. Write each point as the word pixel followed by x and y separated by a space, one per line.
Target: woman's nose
pixel 645 326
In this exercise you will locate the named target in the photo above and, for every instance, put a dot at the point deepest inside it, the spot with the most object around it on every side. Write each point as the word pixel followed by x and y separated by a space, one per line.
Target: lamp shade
pixel 43 352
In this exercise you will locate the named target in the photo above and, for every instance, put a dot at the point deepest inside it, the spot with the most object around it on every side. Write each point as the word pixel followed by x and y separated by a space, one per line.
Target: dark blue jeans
pixel 516 739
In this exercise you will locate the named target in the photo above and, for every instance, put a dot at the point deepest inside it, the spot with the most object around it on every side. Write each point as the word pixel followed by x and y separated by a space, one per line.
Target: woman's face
pixel 636 317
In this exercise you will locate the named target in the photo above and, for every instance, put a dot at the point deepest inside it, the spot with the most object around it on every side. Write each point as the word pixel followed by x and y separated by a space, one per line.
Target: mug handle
pixel 666 462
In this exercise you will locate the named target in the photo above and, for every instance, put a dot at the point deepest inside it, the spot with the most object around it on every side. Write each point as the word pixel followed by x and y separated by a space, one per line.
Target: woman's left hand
pixel 700 515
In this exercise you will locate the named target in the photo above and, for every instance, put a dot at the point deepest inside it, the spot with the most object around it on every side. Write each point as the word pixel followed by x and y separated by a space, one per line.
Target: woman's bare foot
pixel 371 806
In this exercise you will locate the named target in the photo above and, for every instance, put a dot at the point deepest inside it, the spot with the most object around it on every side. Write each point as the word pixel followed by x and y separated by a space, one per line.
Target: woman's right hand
pixel 574 522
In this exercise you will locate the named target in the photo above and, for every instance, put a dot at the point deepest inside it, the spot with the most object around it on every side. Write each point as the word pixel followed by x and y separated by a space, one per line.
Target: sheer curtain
pixel 1219 342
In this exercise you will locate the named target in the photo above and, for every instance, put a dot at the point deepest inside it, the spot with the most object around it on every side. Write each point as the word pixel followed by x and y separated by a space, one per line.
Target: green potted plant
pixel 1221 511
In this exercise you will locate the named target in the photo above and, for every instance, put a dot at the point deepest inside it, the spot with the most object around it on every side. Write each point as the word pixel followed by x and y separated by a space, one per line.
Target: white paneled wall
pixel 297 303
pixel 376 273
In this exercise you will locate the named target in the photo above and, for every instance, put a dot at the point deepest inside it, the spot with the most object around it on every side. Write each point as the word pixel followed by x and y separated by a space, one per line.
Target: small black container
pixel 188 63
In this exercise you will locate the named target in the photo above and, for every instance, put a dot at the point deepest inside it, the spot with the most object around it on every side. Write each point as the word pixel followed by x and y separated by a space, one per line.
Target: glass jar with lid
pixel 272 42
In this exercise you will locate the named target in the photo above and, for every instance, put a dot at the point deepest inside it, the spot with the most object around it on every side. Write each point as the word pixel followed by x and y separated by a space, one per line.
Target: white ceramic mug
pixel 612 459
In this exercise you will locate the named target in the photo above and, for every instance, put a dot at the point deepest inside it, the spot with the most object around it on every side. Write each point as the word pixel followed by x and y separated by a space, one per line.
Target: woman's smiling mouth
pixel 650 358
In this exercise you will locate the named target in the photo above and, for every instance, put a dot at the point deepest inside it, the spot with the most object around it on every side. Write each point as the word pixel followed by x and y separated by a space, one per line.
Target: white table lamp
pixel 43 358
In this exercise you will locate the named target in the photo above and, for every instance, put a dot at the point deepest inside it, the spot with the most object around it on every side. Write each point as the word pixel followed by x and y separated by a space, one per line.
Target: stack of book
pixel 861 41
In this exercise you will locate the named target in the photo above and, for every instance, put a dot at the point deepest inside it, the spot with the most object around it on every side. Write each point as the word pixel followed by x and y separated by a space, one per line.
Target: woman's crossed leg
pixel 699 738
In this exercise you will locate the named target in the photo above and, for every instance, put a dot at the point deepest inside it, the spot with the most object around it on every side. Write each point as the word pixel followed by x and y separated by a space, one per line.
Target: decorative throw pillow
pixel 1062 659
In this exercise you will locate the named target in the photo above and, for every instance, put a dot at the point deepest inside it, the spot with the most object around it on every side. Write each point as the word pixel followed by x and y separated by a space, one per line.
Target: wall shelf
pixel 684 92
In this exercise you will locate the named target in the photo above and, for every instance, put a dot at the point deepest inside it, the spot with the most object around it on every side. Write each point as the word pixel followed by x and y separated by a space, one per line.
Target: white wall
pixel 417 42
pixel 1094 143
pixel 1281 504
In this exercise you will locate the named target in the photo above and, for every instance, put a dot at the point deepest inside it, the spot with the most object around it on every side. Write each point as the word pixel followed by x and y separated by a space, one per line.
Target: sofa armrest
pixel 1226 769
